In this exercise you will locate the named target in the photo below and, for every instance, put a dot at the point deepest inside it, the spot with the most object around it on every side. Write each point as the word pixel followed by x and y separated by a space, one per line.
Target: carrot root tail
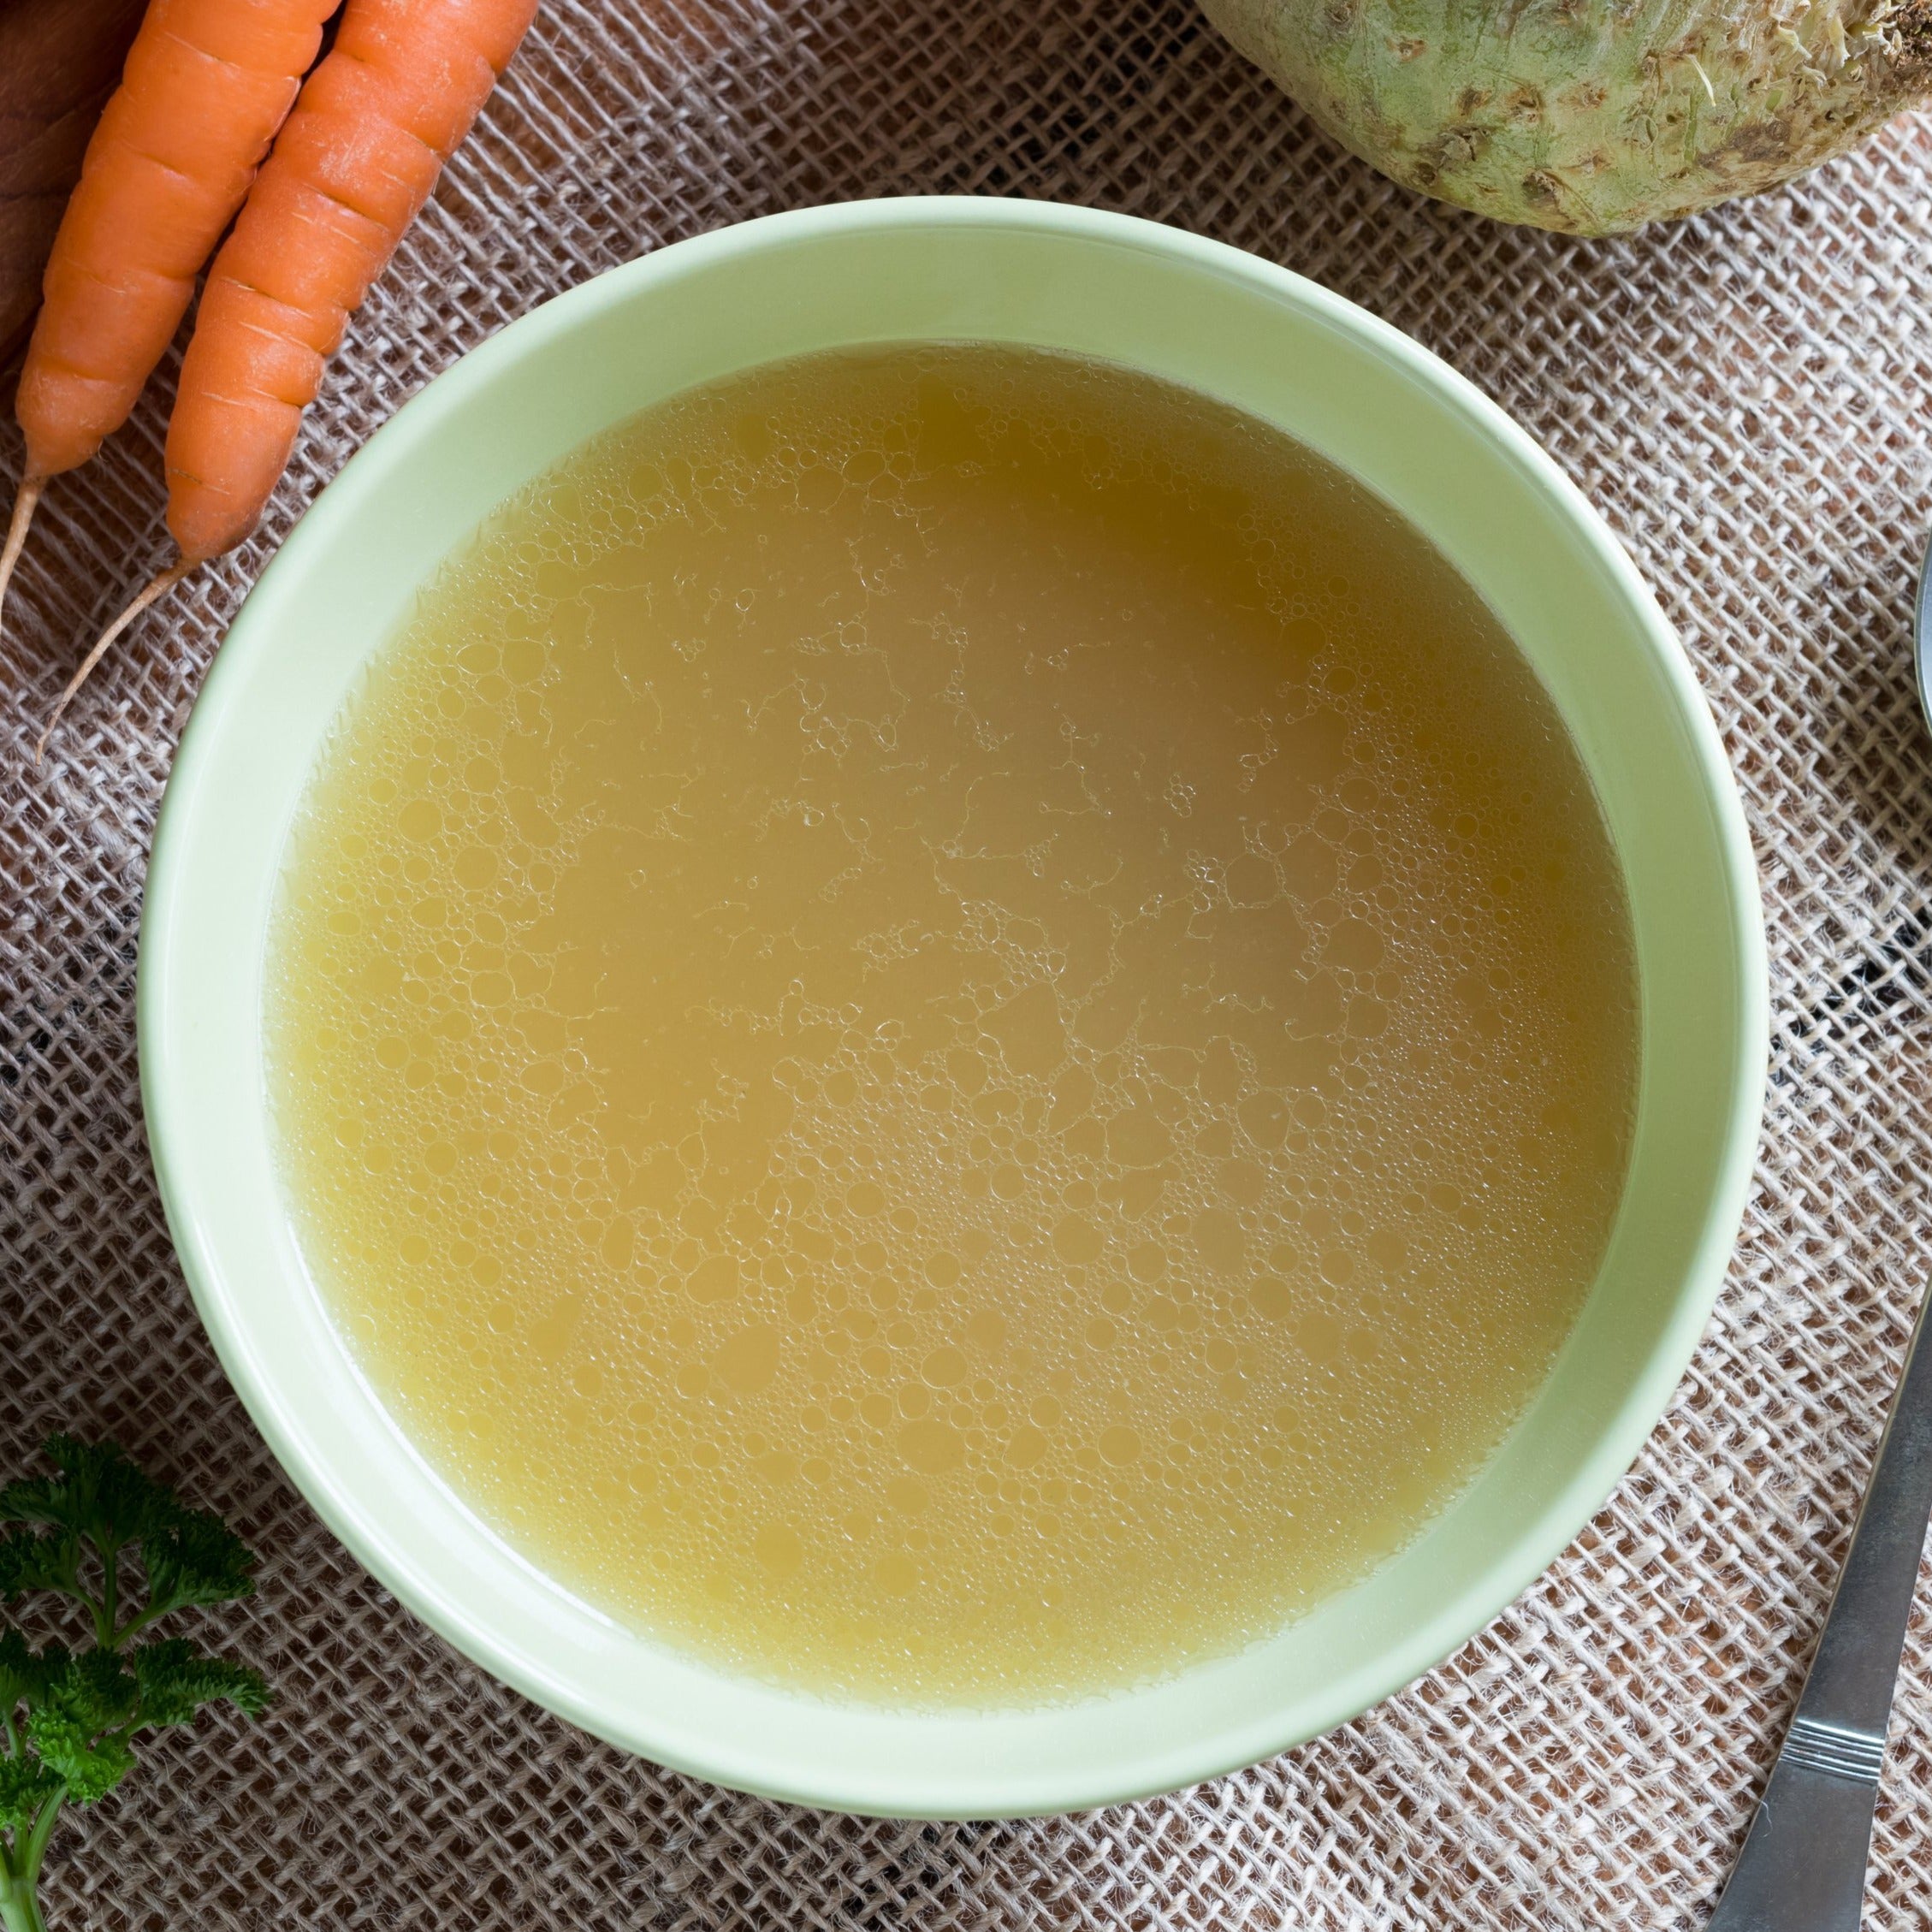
pixel 26 499
pixel 155 587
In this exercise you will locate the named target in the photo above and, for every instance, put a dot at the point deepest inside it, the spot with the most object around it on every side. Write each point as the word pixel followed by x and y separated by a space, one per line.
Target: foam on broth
pixel 953 1026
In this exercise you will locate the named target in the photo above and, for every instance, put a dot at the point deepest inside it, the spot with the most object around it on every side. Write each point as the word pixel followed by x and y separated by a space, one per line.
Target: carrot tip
pixel 25 500
pixel 155 587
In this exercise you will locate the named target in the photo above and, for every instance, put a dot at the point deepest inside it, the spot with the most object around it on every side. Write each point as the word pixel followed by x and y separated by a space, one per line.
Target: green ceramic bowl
pixel 1199 314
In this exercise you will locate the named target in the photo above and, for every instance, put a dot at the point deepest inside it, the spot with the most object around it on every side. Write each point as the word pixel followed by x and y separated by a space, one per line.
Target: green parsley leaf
pixel 26 1785
pixel 25 1674
pixel 176 1680
pixel 37 1560
pixel 194 1557
pixel 100 1494
pixel 69 1720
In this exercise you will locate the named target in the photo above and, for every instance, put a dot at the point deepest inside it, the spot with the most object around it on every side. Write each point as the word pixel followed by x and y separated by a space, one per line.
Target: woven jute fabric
pixel 1747 397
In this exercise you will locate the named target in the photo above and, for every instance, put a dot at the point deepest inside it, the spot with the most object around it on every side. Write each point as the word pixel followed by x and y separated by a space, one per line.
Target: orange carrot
pixel 355 162
pixel 206 85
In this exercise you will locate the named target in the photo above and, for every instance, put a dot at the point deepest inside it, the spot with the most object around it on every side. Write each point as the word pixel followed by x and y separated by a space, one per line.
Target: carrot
pixel 355 162
pixel 206 85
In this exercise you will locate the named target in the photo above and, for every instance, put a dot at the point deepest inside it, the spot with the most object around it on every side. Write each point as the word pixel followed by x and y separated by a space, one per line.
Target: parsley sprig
pixel 128 1551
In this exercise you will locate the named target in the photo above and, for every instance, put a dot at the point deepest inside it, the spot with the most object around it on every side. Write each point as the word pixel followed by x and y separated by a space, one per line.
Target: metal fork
pixel 1802 1866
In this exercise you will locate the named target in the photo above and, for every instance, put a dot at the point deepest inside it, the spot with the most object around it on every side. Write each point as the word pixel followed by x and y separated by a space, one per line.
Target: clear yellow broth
pixel 952 1027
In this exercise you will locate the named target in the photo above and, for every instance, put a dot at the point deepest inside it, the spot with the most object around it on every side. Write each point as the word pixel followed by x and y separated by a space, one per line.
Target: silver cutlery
pixel 1803 1865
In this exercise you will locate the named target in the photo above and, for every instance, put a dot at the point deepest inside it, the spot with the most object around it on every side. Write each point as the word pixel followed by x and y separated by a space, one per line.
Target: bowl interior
pixel 1196 313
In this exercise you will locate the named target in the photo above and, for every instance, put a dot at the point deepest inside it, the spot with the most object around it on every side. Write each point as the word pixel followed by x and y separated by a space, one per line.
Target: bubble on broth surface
pixel 952 1027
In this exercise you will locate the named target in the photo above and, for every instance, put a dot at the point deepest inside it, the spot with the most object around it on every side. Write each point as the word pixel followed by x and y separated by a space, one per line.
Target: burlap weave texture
pixel 1747 397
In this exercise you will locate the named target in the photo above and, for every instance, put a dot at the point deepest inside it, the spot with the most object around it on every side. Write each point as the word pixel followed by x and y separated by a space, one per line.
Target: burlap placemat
pixel 1748 398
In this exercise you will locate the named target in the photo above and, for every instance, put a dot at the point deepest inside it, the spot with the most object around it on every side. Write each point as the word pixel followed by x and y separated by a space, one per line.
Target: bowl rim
pixel 736 1763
